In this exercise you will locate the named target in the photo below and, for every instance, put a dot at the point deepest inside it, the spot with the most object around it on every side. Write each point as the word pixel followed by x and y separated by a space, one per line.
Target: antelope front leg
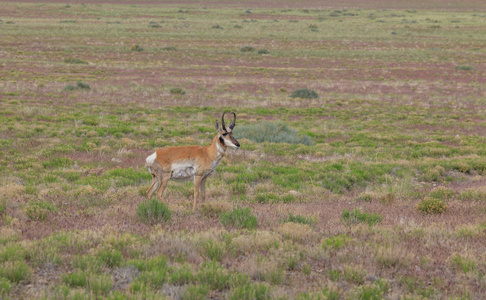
pixel 202 189
pixel 197 184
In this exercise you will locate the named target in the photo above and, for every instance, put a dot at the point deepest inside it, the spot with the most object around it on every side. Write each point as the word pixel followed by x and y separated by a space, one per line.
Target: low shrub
pixel 356 216
pixel 177 91
pixel 247 49
pixel 5 286
pixel 335 242
pixel 263 51
pixel 215 276
pixel 299 219
pixel 76 279
pixel 441 193
pixel 239 218
pixel 256 291
pixel 304 94
pixel 75 61
pixel 136 48
pixel 465 68
pixel 15 271
pixel 432 206
pixel 79 86
pixel 153 211
pixel 110 257
pixel 273 132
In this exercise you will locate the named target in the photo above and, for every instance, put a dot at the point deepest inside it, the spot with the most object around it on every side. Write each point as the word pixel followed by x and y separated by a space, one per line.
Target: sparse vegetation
pixel 397 128
pixel 304 94
pixel 239 218
pixel 432 206
pixel 153 211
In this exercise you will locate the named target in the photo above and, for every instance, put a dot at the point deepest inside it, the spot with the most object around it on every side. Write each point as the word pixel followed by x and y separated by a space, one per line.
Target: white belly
pixel 183 171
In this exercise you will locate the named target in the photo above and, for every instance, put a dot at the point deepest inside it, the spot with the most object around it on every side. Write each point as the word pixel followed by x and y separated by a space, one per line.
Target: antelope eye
pixel 225 134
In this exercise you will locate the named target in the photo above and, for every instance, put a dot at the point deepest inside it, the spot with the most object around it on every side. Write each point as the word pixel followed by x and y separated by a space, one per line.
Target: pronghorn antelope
pixel 187 162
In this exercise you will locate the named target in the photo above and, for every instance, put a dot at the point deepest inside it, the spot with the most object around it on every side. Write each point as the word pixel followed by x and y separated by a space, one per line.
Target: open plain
pixel 376 189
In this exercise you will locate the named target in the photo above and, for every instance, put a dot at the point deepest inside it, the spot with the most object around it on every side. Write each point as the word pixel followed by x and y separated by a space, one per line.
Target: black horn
pixel 222 122
pixel 233 123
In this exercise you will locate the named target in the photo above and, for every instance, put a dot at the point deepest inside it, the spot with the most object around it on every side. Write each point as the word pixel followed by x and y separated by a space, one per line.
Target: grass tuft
pixel 153 211
pixel 356 216
pixel 239 218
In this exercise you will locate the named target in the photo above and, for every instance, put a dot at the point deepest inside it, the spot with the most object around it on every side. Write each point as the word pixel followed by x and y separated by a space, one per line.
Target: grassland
pixel 385 197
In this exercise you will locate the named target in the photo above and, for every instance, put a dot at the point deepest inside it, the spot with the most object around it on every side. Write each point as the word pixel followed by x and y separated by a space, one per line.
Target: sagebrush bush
pixel 75 61
pixel 432 206
pixel 239 218
pixel 356 216
pixel 273 132
pixel 79 86
pixel 136 48
pixel 247 49
pixel 465 68
pixel 299 219
pixel 255 291
pixel 153 211
pixel 304 94
pixel 177 91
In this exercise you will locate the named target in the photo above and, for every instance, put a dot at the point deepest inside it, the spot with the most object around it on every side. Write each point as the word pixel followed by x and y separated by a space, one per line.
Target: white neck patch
pixel 220 149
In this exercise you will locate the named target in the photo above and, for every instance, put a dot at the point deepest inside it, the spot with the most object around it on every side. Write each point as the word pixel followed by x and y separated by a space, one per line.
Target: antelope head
pixel 226 133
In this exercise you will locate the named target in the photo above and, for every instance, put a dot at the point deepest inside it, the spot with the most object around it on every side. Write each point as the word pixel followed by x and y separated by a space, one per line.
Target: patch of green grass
pixel 239 218
pixel 465 68
pixel 335 242
pixel 356 216
pixel 256 291
pixel 213 250
pixel 76 279
pixel 214 275
pixel 182 276
pixel 15 271
pixel 299 219
pixel 5 286
pixel 110 257
pixel 153 211
pixel 177 91
pixel 195 292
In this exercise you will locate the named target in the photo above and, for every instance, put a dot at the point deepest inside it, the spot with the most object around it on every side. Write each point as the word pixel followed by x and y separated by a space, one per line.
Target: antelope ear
pixel 217 126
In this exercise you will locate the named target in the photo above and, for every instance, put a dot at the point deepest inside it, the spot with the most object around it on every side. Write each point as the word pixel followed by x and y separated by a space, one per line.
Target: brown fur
pixel 202 160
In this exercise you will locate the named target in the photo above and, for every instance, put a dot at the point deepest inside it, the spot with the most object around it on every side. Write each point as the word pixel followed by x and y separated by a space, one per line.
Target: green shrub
pixel 182 276
pixel 177 91
pixel 304 94
pixel 239 218
pixel 465 68
pixel 76 279
pixel 110 257
pixel 79 86
pixel 36 212
pixel 356 216
pixel 5 286
pixel 75 61
pixel 15 271
pixel 213 250
pixel 154 25
pixel 250 292
pixel 273 132
pixel 463 263
pixel 215 276
pixel 195 292
pixel 335 242
pixel 169 48
pixel 100 284
pixel 299 219
pixel 136 48
pixel 153 211
pixel 441 193
pixel 247 49
pixel 432 206
pixel 263 51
